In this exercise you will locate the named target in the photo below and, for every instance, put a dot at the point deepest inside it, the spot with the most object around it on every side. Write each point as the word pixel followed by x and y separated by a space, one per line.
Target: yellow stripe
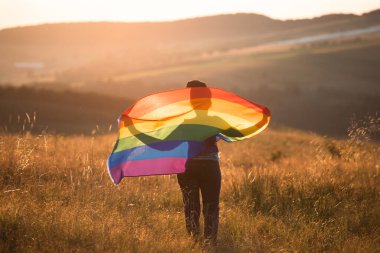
pixel 212 118
pixel 250 131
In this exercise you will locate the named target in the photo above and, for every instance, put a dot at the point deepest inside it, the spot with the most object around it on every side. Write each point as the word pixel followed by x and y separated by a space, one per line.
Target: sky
pixel 30 12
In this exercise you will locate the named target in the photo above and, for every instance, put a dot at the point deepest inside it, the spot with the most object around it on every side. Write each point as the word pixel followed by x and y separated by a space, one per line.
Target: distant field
pixel 40 110
pixel 281 191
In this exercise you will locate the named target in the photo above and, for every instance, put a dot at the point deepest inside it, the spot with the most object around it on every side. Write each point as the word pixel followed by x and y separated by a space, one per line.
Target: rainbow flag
pixel 160 132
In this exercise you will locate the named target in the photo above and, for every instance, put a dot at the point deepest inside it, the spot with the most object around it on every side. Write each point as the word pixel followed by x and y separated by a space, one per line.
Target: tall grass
pixel 282 191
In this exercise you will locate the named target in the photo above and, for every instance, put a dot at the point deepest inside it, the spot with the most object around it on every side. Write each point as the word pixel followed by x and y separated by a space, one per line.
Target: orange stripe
pixel 152 102
pixel 214 119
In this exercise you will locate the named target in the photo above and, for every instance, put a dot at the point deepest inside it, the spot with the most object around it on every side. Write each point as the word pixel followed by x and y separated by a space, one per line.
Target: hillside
pixel 77 52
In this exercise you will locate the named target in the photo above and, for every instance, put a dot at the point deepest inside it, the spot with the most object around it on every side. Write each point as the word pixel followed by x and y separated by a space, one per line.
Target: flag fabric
pixel 160 132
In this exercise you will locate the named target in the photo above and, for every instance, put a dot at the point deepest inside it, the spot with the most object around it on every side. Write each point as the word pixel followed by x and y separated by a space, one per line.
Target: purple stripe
pixel 159 166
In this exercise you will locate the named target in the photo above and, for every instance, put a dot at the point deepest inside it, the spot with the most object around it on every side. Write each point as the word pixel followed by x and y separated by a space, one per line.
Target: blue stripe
pixel 180 149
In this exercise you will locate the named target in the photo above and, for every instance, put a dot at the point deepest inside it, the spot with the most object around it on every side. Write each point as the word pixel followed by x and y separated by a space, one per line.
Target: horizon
pixel 181 19
pixel 14 16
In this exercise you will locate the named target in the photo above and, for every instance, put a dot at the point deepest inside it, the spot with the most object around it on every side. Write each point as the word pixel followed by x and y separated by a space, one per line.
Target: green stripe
pixel 188 132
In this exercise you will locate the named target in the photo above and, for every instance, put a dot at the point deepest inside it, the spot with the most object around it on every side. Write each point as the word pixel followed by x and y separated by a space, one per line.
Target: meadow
pixel 282 191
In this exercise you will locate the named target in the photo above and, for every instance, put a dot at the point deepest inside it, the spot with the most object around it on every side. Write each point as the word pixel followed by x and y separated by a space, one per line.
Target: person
pixel 203 176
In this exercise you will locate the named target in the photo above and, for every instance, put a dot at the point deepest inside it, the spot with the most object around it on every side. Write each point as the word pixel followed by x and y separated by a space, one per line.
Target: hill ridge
pixel 251 14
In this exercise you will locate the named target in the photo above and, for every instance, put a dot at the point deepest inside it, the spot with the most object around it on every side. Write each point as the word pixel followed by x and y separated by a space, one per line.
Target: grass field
pixel 282 191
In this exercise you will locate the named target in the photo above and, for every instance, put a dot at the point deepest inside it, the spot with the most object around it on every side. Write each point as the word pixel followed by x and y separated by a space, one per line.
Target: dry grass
pixel 282 191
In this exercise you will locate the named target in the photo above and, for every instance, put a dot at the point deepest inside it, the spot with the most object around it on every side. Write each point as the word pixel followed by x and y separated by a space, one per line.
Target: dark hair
pixel 196 83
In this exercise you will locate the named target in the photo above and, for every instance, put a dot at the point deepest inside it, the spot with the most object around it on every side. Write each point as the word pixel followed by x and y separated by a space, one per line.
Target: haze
pixel 28 12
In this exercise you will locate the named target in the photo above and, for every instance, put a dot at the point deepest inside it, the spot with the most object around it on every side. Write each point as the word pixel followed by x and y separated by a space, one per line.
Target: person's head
pixel 196 93
pixel 195 83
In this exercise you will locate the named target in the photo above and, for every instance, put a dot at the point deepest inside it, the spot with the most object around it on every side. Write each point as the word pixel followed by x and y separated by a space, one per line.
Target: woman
pixel 203 176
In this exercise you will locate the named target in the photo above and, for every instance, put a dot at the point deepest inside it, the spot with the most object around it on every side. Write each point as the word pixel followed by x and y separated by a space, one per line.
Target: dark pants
pixel 203 175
